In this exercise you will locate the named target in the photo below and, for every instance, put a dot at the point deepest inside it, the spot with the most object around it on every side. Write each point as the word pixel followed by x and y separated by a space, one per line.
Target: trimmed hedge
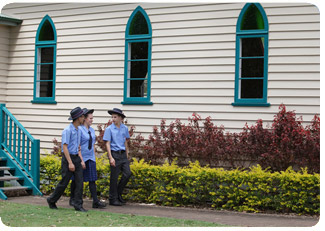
pixel 255 190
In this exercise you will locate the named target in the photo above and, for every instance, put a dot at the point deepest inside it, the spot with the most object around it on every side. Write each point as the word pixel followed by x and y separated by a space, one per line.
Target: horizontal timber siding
pixel 4 54
pixel 193 63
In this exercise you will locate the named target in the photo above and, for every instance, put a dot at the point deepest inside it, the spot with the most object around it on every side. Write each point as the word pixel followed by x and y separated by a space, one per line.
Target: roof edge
pixel 9 20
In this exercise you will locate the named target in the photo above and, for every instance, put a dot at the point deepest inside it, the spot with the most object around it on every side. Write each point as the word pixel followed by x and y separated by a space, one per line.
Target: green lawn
pixel 21 215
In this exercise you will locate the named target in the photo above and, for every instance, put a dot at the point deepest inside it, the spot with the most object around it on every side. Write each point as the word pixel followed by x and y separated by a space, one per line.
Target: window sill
pixel 43 101
pixel 136 103
pixel 251 104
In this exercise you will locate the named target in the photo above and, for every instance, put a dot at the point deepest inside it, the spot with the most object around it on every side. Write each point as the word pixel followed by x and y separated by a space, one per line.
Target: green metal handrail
pixel 20 144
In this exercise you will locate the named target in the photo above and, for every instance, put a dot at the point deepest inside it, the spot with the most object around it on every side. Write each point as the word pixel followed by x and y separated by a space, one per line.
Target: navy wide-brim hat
pixel 88 111
pixel 116 111
pixel 76 113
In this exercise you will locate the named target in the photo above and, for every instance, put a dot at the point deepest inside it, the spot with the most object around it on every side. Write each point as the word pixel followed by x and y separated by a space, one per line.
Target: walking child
pixel 72 163
pixel 116 136
pixel 87 147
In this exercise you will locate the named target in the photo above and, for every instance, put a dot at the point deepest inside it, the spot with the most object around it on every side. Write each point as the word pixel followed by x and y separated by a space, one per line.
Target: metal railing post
pixel 2 130
pixel 35 162
pixel 2 125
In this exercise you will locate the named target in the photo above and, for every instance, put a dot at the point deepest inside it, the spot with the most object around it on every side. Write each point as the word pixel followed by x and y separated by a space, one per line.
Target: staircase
pixel 19 157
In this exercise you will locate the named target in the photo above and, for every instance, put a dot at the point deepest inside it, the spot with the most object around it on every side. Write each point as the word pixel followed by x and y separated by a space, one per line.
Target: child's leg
pixel 61 186
pixel 78 177
pixel 72 192
pixel 115 171
pixel 126 174
pixel 93 191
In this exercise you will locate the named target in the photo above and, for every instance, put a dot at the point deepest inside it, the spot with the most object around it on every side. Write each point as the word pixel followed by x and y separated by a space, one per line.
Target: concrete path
pixel 221 217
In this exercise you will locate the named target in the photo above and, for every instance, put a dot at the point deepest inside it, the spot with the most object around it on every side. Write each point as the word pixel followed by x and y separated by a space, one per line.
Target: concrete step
pixel 7 178
pixel 3 168
pixel 3 159
pixel 15 188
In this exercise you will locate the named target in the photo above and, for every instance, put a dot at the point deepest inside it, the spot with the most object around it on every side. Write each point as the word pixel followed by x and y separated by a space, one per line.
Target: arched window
pixel 251 57
pixel 45 62
pixel 137 66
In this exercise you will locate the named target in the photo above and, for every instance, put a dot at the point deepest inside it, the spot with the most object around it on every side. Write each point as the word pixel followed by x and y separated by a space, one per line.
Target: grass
pixel 22 215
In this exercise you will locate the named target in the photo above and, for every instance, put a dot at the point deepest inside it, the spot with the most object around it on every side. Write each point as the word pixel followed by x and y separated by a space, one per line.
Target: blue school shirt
pixel 84 141
pixel 71 137
pixel 116 137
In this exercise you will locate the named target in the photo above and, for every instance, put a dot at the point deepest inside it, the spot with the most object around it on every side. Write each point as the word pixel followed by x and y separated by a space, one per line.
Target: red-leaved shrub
pixel 286 142
pixel 186 142
pixel 290 144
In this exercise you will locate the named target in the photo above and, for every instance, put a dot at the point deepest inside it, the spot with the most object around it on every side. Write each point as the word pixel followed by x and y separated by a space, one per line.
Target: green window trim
pixel 43 42
pixel 243 31
pixel 144 37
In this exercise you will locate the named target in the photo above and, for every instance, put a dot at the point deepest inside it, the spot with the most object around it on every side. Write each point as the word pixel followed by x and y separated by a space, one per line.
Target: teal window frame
pixel 133 39
pixel 45 44
pixel 259 33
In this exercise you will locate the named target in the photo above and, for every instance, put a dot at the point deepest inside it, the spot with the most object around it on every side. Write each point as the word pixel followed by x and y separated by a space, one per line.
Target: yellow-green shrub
pixel 50 175
pixel 253 191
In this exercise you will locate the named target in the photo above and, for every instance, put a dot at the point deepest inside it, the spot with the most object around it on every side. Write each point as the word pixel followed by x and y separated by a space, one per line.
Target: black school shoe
pixel 121 199
pixel 80 209
pixel 99 205
pixel 71 202
pixel 51 204
pixel 115 203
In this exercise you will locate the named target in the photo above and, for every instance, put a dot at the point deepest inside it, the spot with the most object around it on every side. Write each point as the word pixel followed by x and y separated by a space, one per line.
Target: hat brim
pixel 86 111
pixel 115 112
pixel 81 113
pixel 91 111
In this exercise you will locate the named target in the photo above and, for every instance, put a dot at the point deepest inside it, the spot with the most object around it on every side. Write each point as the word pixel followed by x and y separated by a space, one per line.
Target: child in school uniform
pixel 116 136
pixel 72 162
pixel 87 148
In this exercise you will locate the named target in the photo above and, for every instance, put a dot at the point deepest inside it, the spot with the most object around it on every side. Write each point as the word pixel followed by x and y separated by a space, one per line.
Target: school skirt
pixel 90 173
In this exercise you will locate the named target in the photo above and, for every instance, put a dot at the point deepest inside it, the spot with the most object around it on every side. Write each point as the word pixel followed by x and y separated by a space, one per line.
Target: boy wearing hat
pixel 116 136
pixel 72 162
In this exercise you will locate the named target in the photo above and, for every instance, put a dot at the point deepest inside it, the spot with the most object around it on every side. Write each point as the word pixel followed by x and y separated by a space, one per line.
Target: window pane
pixel 139 69
pixel 46 32
pixel 251 88
pixel 46 89
pixel 46 72
pixel 46 54
pixel 252 47
pixel 138 88
pixel 139 50
pixel 252 19
pixel 138 25
pixel 252 67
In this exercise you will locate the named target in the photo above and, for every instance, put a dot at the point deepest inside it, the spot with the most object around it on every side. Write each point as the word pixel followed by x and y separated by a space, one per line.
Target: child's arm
pixel 67 156
pixel 127 138
pixel 109 154
pixel 82 160
pixel 126 148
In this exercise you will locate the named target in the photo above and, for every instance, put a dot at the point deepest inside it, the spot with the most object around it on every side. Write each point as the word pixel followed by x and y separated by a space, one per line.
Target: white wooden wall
pixel 4 53
pixel 193 63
